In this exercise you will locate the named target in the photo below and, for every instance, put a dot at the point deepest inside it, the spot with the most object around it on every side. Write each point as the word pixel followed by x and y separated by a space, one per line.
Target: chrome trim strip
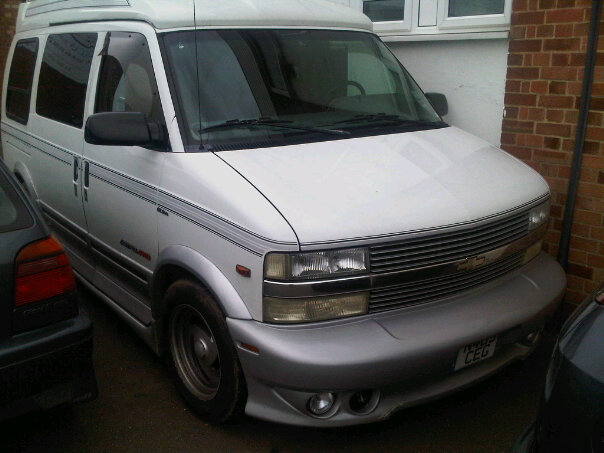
pixel 163 196
pixel 146 332
pixel 193 213
pixel 67 225
pixel 143 275
pixel 221 227
pixel 56 152
pixel 373 281
pixel 413 234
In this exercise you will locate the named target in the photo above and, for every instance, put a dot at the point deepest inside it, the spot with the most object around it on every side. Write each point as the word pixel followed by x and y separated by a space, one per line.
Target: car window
pixel 13 213
pixel 20 80
pixel 127 81
pixel 64 77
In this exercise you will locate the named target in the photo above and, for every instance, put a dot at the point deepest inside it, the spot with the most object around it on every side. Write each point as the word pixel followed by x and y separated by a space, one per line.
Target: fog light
pixel 359 402
pixel 284 311
pixel 531 338
pixel 321 403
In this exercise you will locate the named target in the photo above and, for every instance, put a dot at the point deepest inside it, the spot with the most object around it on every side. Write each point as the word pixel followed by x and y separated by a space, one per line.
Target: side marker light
pixel 244 271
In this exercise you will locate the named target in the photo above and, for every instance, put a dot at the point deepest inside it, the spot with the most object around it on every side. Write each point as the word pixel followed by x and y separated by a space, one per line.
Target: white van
pixel 265 195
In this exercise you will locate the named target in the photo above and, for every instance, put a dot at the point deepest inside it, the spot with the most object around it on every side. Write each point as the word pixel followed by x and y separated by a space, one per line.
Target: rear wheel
pixel 203 358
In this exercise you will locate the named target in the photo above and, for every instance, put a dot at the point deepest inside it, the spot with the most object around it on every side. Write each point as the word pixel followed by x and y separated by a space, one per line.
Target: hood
pixel 373 186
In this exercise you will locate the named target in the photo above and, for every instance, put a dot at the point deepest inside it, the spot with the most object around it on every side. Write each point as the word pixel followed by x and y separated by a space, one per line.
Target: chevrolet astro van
pixel 261 190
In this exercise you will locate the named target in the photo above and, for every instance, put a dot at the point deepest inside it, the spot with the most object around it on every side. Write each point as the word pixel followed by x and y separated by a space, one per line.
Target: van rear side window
pixel 64 77
pixel 20 80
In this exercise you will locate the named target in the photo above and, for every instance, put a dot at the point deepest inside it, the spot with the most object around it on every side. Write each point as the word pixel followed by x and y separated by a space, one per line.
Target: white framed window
pixel 456 14
pixel 387 15
pixel 436 19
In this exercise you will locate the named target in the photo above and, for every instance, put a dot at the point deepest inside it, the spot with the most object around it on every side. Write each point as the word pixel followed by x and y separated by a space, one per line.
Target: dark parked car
pixel 571 417
pixel 45 343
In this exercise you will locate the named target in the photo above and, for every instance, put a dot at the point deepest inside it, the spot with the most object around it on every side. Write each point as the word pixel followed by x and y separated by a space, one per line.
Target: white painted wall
pixel 467 64
pixel 471 73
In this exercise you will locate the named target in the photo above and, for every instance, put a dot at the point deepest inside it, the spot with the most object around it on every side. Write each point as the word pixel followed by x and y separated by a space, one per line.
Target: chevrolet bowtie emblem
pixel 469 264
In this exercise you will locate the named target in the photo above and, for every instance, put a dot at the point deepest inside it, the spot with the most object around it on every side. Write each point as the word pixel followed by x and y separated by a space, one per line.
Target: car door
pixel 120 182
pixel 58 136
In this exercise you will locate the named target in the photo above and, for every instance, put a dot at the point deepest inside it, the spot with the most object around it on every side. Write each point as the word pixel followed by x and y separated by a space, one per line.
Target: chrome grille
pixel 445 247
pixel 393 297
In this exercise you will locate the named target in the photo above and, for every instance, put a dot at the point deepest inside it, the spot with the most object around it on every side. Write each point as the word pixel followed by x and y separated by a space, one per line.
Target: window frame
pixel 97 75
pixel 444 22
pixel 9 114
pixel 466 27
pixel 188 142
pixel 88 81
pixel 101 74
pixel 391 26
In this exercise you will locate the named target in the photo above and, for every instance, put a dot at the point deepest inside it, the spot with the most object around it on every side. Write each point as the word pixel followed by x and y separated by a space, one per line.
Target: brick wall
pixel 8 16
pixel 543 90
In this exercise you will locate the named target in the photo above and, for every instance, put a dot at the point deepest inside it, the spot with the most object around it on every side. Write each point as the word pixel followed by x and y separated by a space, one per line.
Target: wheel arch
pixel 176 262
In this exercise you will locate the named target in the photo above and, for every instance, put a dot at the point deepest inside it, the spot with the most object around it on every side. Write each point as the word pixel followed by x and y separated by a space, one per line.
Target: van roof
pixel 169 14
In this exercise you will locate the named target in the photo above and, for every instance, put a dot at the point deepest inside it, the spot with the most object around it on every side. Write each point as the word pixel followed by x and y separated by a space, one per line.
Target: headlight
pixel 284 311
pixel 304 266
pixel 539 215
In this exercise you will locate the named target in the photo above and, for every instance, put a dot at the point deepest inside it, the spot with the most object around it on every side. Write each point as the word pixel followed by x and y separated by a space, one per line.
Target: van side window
pixel 20 80
pixel 127 81
pixel 64 77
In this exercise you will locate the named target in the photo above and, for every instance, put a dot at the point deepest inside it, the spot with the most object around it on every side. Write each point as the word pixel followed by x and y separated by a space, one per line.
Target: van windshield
pixel 259 88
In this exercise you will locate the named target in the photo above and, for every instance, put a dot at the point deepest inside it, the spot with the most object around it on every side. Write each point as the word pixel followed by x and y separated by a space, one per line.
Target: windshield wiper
pixel 382 117
pixel 271 122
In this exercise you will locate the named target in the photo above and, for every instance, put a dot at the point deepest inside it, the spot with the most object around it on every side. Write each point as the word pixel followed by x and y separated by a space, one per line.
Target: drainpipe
pixel 575 170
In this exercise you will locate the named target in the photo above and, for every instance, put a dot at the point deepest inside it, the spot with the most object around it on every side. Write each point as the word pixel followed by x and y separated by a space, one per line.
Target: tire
pixel 203 359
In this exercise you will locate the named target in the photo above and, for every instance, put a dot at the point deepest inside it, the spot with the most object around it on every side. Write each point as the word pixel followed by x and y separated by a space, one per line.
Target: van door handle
pixel 75 168
pixel 76 173
pixel 86 179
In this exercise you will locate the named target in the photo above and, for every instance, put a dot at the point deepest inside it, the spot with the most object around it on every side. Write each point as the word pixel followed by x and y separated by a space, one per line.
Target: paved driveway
pixel 139 410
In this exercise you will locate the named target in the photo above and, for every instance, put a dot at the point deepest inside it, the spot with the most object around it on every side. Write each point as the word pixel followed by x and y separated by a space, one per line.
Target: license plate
pixel 476 352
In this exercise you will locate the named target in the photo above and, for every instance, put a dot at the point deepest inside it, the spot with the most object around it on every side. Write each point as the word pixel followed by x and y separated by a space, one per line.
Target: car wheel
pixel 203 358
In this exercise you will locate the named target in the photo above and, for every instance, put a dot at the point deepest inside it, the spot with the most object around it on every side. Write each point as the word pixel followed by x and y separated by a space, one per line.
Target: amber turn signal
pixel 242 270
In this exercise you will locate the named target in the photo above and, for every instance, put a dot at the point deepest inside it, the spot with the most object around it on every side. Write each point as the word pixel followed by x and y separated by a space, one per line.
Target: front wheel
pixel 203 358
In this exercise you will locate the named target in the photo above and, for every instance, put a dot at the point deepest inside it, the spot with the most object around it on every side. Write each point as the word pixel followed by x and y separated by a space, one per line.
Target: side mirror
pixel 122 129
pixel 439 102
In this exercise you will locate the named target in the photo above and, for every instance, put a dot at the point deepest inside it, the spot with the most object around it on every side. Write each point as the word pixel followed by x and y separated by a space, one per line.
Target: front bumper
pixel 47 367
pixel 406 355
